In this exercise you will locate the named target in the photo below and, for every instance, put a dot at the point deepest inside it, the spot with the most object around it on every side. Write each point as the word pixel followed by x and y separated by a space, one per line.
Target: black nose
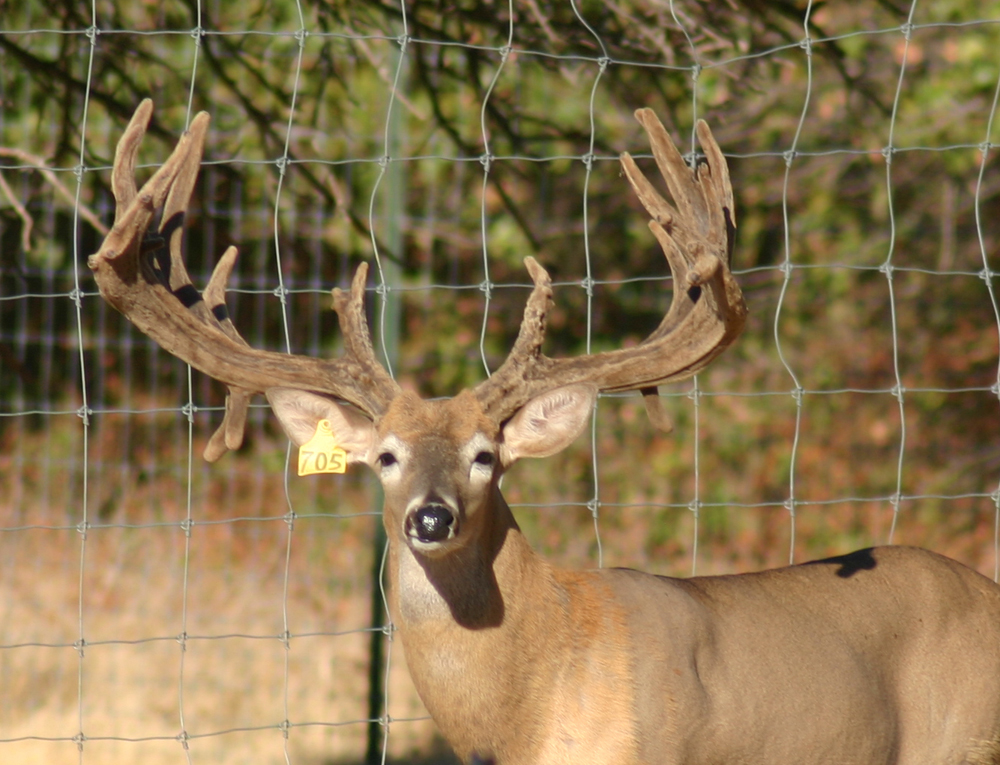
pixel 431 522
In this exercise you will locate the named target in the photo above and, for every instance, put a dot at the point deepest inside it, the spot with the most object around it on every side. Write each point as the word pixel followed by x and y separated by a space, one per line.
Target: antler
pixel 707 311
pixel 143 276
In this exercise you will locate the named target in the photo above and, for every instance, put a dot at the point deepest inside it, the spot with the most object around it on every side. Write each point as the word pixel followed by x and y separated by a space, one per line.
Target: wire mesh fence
pixel 159 607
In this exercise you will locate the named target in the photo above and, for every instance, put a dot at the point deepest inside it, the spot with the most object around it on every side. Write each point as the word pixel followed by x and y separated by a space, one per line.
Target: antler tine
pixel 706 313
pixel 229 435
pixel 123 175
pixel 502 387
pixel 150 285
pixel 350 308
pixel 529 338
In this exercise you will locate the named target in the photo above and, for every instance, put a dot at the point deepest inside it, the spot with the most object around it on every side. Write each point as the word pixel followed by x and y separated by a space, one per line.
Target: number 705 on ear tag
pixel 320 454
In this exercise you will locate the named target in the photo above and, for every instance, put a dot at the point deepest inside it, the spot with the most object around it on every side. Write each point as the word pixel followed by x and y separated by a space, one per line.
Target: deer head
pixel 438 460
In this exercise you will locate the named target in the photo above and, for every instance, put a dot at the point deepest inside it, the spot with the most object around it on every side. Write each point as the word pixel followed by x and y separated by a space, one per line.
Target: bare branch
pixel 35 162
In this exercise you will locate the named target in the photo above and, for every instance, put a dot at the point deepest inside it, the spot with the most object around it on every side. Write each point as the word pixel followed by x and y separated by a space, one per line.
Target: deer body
pixel 801 664
pixel 889 656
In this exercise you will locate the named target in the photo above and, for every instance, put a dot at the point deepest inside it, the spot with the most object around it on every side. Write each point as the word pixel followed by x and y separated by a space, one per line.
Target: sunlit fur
pixel 888 656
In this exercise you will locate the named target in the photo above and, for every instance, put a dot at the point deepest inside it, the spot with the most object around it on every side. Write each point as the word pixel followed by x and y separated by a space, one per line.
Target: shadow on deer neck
pixel 474 583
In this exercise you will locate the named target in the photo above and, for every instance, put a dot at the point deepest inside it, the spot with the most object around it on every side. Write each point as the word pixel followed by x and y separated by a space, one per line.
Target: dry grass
pixel 230 680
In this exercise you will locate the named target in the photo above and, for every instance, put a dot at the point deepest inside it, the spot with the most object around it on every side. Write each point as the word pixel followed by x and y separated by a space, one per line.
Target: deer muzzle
pixel 430 523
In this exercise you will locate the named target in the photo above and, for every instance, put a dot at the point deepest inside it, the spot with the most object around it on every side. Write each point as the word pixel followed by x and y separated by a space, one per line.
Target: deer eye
pixel 485 458
pixel 385 459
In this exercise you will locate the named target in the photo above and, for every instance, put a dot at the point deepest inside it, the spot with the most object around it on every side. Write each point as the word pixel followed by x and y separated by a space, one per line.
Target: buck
pixel 887 655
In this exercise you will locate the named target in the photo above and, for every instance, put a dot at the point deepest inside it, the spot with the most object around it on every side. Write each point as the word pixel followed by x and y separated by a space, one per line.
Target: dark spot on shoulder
pixel 850 564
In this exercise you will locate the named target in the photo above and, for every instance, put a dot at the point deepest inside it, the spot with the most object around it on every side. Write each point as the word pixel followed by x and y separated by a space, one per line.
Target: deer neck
pixel 471 625
pixel 474 588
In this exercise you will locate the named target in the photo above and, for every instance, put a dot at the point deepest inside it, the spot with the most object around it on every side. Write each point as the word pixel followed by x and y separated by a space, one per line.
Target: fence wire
pixel 161 608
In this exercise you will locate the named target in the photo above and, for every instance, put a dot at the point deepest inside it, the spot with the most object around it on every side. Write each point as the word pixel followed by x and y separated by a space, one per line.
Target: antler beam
pixel 707 311
pixel 143 276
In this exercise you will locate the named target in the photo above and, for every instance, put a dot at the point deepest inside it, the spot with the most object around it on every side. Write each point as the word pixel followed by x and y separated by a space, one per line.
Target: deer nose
pixel 431 522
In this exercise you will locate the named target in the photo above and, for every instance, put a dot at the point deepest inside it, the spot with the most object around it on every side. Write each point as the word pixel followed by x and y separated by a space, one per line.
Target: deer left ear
pixel 548 423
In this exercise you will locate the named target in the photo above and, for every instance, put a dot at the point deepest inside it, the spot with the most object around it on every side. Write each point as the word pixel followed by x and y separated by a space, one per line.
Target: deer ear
pixel 300 412
pixel 548 423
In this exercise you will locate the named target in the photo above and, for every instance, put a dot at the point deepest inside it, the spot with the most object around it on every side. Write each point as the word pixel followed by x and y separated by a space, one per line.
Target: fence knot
pixel 486 287
pixel 594 506
pixel 588 285
pixel 84 413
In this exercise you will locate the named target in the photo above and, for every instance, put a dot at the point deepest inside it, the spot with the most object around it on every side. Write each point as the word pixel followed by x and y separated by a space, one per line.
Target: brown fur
pixel 888 656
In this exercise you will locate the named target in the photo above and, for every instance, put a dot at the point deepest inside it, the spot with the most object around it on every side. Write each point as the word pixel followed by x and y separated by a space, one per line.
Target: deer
pixel 883 656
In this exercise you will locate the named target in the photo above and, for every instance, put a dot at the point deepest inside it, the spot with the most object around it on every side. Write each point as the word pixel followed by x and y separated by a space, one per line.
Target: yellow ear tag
pixel 320 454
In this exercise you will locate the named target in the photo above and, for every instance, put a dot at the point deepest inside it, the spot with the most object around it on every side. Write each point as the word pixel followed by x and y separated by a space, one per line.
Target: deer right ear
pixel 300 412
